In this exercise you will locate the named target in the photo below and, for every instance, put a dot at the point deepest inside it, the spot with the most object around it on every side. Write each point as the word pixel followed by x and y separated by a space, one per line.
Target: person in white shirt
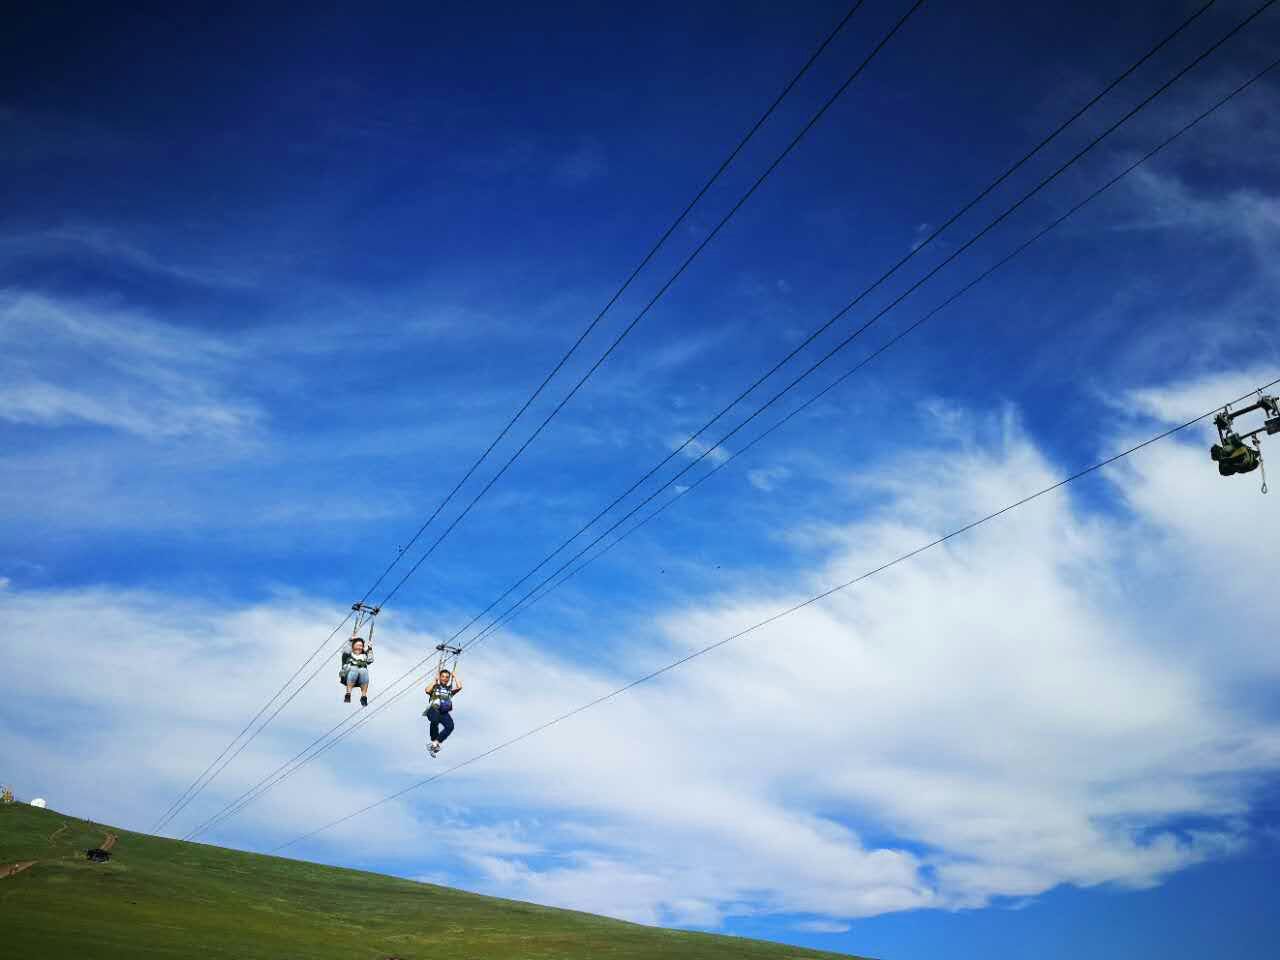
pixel 355 669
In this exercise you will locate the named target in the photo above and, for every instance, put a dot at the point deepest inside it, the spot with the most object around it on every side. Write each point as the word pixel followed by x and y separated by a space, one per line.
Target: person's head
pixel 445 676
pixel 357 645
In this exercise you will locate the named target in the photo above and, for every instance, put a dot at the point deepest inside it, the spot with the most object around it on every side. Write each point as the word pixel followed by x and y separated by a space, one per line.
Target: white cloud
pixel 1031 705
pixel 678 352
pixel 110 244
pixel 696 448
pixel 116 369
pixel 822 926
pixel 767 479
pixel 1247 215
pixel 1177 403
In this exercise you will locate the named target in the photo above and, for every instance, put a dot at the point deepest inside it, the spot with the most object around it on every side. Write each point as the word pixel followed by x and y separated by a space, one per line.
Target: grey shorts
pixel 357 676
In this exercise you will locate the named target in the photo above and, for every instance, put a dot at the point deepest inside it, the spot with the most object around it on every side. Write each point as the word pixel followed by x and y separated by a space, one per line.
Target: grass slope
pixel 165 898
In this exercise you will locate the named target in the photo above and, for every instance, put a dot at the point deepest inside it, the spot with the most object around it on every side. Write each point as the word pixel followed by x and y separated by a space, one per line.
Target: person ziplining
pixel 357 654
pixel 355 669
pixel 441 692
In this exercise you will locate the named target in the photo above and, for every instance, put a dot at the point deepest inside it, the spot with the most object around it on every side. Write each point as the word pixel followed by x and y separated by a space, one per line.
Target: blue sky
pixel 270 283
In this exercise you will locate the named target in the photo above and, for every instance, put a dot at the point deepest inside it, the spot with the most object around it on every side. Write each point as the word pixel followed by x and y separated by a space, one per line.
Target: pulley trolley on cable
pixel 1241 452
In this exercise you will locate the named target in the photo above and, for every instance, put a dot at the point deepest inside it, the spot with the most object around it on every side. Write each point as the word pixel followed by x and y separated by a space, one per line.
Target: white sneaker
pixel 434 748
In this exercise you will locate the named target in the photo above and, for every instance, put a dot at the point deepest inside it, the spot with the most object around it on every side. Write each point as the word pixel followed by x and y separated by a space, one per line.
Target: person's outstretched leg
pixel 350 684
pixel 434 716
pixel 364 688
pixel 446 721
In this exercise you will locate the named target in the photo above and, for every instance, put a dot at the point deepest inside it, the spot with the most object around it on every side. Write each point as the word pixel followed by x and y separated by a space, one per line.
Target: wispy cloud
pixel 821 926
pixel 1177 402
pixel 1250 216
pixel 84 240
pixel 767 478
pixel 696 448
pixel 116 369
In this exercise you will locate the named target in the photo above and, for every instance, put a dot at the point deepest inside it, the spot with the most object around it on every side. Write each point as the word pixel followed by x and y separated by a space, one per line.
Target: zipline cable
pixel 848 307
pixel 702 651
pixel 692 438
pixel 323 665
pixel 688 261
pixel 283 771
pixel 709 448
pixel 626 284
pixel 1122 120
pixel 192 790
pixel 888 344
pixel 840 346
pixel 189 794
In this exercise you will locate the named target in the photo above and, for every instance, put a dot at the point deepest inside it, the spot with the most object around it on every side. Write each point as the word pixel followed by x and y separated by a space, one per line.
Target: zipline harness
pixel 365 615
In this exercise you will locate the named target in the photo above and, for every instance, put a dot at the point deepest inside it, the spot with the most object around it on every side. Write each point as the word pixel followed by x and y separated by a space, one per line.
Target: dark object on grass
pixel 98 855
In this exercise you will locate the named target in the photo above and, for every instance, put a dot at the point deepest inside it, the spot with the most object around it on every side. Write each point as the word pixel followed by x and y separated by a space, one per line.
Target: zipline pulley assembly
pixel 448 658
pixel 364 618
pixel 1233 452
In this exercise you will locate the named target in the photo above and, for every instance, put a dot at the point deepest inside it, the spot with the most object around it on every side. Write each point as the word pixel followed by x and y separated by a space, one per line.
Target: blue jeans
pixel 441 724
pixel 357 676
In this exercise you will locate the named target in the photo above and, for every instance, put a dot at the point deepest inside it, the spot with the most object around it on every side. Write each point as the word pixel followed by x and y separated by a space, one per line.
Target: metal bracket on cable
pixel 1241 451
pixel 448 658
pixel 364 616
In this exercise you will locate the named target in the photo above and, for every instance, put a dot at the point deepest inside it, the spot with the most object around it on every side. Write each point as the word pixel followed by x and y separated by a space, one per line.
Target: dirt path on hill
pixel 10 869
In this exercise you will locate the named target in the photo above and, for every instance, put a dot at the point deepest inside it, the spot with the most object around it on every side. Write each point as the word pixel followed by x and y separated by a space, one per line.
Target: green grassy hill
pixel 165 898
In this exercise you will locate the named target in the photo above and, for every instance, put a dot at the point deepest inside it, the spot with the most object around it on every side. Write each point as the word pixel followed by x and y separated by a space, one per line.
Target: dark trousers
pixel 441 724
